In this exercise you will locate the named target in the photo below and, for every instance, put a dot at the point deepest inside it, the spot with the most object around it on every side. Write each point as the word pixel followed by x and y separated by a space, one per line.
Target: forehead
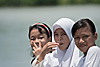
pixel 83 30
pixel 36 32
pixel 59 30
pixel 42 30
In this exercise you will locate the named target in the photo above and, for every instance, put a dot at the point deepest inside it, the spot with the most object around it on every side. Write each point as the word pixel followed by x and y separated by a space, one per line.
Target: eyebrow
pixel 60 32
pixel 40 34
pixel 37 35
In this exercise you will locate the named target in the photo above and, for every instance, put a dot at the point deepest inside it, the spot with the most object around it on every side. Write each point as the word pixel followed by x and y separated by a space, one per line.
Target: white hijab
pixel 72 53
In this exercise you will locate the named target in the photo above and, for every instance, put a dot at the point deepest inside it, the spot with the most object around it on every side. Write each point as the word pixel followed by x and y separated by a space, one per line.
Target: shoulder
pixel 94 50
pixel 92 57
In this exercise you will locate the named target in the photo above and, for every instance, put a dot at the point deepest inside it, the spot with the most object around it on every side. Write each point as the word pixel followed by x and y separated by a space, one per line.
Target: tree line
pixel 45 2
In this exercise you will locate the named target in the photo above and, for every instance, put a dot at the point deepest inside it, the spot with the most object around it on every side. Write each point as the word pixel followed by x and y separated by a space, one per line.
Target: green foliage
pixel 96 1
pixel 45 2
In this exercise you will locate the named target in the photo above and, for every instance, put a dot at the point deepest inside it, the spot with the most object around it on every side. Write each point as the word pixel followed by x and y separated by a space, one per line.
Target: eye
pixel 32 39
pixel 86 36
pixel 55 34
pixel 41 37
pixel 63 34
pixel 76 38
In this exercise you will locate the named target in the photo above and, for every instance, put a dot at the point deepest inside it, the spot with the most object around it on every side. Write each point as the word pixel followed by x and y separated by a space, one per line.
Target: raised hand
pixel 37 49
pixel 48 47
pixel 45 50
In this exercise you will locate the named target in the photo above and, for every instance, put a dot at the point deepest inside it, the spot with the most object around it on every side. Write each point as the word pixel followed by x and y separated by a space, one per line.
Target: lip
pixel 60 43
pixel 82 45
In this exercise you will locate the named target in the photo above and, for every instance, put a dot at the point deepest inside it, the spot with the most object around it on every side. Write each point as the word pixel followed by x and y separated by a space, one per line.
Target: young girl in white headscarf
pixel 66 53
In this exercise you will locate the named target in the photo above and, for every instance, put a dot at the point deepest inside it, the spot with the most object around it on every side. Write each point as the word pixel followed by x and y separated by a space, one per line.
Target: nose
pixel 37 41
pixel 81 41
pixel 60 38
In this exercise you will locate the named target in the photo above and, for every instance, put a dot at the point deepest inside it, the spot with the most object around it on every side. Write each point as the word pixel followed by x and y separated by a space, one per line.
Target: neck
pixel 85 53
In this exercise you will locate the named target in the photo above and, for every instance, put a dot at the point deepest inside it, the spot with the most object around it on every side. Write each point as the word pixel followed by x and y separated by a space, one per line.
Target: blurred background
pixel 17 15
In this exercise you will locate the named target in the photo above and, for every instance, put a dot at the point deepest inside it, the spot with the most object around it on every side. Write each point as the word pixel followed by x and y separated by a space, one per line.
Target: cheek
pixel 44 41
pixel 56 39
pixel 76 42
pixel 90 42
pixel 77 45
pixel 66 39
pixel 31 42
pixel 67 42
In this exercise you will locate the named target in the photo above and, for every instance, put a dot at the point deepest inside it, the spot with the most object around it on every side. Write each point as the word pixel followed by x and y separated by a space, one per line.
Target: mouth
pixel 60 43
pixel 82 45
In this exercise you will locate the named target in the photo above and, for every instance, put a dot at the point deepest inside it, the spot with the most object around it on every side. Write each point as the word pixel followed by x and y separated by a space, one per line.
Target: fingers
pixel 52 44
pixel 34 49
pixel 35 45
pixel 39 44
pixel 50 50
pixel 48 47
pixel 37 48
pixel 35 53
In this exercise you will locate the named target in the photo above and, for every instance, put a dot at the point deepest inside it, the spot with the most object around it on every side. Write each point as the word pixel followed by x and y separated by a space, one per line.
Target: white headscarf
pixel 72 53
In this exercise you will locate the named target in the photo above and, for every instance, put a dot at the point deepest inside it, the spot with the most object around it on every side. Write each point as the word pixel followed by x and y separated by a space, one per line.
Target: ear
pixel 95 36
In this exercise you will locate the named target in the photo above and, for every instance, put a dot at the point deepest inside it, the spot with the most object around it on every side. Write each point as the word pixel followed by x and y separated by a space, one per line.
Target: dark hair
pixel 39 26
pixel 83 23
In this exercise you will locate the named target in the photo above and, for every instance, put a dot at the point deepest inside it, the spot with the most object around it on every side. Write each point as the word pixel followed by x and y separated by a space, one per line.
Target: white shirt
pixel 92 58
pixel 56 59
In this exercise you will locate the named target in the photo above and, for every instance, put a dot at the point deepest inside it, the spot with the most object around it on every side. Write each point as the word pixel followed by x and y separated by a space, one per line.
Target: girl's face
pixel 61 37
pixel 84 39
pixel 36 36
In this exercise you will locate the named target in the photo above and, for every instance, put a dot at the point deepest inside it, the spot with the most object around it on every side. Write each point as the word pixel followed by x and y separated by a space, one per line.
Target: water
pixel 14 23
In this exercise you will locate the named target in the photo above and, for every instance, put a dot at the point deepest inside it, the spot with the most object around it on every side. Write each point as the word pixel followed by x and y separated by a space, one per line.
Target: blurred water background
pixel 14 23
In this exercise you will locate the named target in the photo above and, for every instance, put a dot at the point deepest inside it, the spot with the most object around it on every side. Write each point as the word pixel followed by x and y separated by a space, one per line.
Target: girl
pixel 39 35
pixel 66 52
pixel 85 35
